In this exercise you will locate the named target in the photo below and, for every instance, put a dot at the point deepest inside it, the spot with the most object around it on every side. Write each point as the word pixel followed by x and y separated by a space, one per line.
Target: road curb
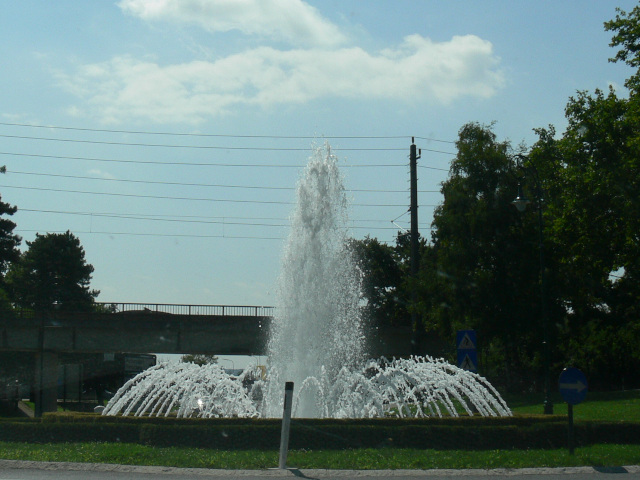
pixel 310 473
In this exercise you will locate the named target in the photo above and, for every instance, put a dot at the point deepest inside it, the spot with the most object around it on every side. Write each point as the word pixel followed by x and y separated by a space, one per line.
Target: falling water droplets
pixel 316 340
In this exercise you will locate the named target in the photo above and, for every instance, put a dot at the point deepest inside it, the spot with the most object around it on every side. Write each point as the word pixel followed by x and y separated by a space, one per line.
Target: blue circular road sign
pixel 573 385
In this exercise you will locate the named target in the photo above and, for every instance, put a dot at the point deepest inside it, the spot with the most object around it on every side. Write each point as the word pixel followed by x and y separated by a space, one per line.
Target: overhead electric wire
pixel 226 135
pixel 427 167
pixel 219 221
pixel 137 195
pixel 148 234
pixel 429 139
pixel 180 216
pixel 148 182
pixel 167 197
pixel 197 164
pixel 152 182
pixel 235 146
pixel 218 135
pixel 205 147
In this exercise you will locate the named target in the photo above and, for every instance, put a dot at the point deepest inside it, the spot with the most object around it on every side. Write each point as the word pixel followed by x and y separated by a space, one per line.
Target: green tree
pixel 9 253
pixel 9 242
pixel 627 36
pixel 486 259
pixel 52 274
pixel 593 219
pixel 199 359
pixel 382 267
pixel 594 228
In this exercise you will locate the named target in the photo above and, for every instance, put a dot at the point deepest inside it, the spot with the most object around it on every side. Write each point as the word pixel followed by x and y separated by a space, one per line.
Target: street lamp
pixel 521 202
pixel 233 364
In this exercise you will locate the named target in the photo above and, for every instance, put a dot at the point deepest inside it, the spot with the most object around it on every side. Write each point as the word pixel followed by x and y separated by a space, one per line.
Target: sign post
pixel 467 350
pixel 573 388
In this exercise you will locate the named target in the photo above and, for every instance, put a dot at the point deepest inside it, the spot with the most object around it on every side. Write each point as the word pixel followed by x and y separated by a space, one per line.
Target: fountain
pixel 316 341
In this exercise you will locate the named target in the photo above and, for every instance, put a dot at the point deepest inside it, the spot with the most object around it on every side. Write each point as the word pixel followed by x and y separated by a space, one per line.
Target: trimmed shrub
pixel 470 433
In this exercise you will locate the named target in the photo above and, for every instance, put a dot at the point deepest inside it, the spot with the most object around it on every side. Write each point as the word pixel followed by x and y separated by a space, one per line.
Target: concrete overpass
pixel 153 328
pixel 142 328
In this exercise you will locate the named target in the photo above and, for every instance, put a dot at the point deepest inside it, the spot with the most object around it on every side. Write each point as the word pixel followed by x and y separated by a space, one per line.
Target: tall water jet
pixel 317 340
pixel 317 329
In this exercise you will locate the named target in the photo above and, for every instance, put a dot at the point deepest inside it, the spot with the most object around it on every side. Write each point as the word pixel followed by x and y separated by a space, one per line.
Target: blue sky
pixel 231 95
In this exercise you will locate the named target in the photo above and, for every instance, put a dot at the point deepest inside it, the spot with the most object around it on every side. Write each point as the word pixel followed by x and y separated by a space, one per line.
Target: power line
pixel 134 195
pixel 217 135
pixel 218 221
pixel 147 182
pixel 197 164
pixel 172 235
pixel 201 199
pixel 429 139
pixel 148 234
pixel 181 216
pixel 152 182
pixel 205 147
pixel 433 168
pixel 150 216
pixel 223 135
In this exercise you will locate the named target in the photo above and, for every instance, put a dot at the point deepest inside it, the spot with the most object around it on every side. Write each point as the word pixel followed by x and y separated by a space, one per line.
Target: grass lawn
pixel 611 406
pixel 616 406
pixel 358 459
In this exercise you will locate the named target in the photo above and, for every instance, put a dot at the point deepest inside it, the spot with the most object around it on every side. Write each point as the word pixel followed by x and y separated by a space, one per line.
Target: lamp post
pixel 233 364
pixel 521 203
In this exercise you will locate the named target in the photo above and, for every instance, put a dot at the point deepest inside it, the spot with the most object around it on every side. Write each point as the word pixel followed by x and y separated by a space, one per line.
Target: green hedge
pixel 520 420
pixel 242 434
pixel 57 433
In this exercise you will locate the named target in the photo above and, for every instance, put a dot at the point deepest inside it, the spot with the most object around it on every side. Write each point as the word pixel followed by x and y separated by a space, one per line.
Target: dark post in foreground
pixel 286 425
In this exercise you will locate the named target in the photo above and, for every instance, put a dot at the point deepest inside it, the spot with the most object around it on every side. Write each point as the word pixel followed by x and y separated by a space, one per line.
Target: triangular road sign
pixel 466 343
pixel 467 364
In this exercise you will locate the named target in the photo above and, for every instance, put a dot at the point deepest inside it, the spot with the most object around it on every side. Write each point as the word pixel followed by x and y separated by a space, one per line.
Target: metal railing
pixel 177 309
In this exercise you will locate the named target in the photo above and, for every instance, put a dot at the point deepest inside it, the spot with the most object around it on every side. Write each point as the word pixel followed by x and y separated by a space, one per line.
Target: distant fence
pixel 177 309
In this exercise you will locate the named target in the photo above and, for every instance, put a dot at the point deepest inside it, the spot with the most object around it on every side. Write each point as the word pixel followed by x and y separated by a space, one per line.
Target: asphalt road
pixel 22 470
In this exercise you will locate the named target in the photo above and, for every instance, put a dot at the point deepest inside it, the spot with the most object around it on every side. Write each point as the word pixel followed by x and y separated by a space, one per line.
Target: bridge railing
pixel 177 309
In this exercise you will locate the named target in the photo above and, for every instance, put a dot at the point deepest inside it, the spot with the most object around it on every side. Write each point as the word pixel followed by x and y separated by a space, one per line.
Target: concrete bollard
pixel 286 424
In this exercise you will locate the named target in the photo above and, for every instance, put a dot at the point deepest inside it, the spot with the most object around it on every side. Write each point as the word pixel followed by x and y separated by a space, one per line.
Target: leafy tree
pixel 627 36
pixel 199 359
pixel 594 219
pixel 53 275
pixel 9 252
pixel 9 242
pixel 486 257
pixel 383 276
pixel 594 224
pixel 482 269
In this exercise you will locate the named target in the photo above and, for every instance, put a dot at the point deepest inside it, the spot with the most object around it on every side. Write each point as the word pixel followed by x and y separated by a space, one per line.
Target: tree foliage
pixel 487 258
pixel 9 253
pixel 199 359
pixel 626 26
pixel 595 225
pixel 9 242
pixel 52 274
pixel 383 271
pixel 483 269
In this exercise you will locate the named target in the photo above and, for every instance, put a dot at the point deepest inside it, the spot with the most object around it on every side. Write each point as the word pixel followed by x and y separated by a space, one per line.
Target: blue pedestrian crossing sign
pixel 467 350
pixel 573 385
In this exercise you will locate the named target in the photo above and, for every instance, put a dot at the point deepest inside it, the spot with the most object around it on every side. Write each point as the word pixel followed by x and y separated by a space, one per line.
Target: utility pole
pixel 415 251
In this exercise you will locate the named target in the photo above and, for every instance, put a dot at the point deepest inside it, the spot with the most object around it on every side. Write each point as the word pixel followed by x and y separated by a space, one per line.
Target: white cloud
pixel 290 20
pixel 419 69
